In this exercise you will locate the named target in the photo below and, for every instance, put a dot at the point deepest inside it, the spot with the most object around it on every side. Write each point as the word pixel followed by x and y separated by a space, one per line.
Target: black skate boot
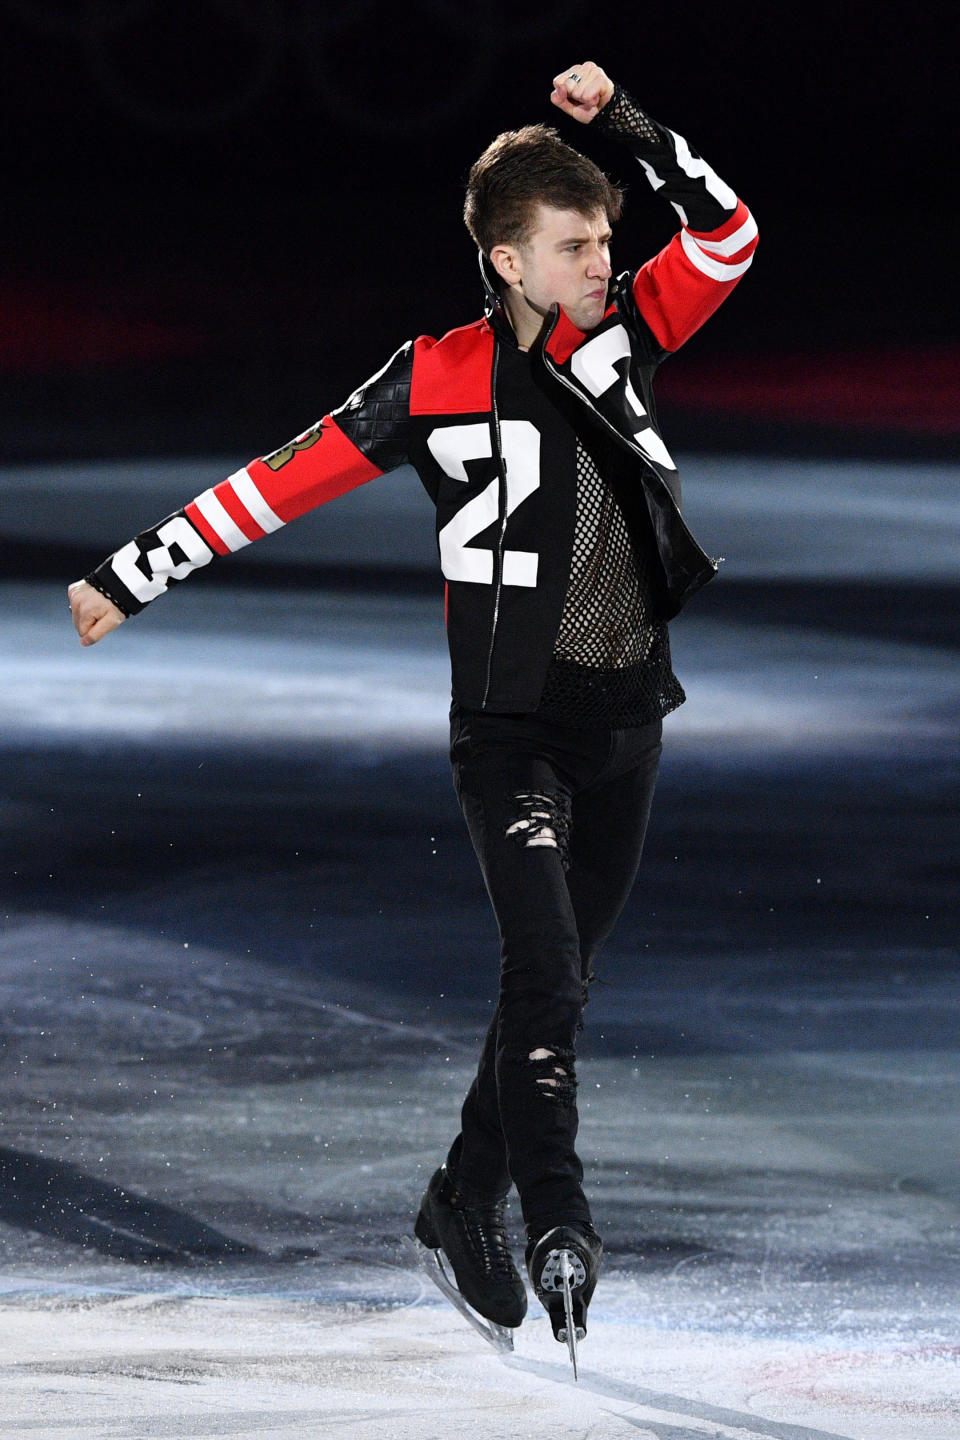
pixel 473 1239
pixel 563 1265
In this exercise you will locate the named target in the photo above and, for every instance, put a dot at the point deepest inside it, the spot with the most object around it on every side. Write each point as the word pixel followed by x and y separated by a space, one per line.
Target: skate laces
pixel 486 1231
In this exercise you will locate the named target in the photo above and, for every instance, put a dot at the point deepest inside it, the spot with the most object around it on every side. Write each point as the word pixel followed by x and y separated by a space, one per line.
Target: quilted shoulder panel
pixel 376 418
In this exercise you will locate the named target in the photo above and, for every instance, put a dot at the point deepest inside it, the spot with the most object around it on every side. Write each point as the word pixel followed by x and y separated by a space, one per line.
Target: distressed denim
pixel 557 818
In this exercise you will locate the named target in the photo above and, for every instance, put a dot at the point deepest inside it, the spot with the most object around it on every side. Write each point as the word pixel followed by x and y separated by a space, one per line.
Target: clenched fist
pixel 582 91
pixel 93 614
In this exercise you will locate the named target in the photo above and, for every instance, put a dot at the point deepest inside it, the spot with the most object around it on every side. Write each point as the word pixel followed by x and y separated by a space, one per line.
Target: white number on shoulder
pixel 593 365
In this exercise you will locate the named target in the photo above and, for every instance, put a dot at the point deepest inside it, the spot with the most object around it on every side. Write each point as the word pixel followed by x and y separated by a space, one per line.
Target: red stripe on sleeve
pixel 207 531
pixel 237 511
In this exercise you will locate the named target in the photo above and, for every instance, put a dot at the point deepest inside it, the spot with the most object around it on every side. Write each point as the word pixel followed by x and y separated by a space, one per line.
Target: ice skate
pixel 485 1286
pixel 563 1265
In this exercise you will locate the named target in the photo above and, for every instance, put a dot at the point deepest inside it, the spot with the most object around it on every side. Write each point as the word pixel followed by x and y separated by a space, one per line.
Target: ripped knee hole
pixel 542 820
pixel 554 1074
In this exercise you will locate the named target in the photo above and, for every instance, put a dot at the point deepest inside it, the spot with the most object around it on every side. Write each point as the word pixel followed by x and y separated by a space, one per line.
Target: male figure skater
pixel 565 554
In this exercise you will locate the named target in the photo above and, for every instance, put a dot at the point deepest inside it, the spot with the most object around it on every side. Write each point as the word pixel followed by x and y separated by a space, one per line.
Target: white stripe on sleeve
pixel 716 269
pixel 734 242
pixel 248 495
pixel 220 522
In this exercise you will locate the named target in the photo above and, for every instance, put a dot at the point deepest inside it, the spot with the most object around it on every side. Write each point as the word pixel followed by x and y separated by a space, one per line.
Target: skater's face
pixel 565 262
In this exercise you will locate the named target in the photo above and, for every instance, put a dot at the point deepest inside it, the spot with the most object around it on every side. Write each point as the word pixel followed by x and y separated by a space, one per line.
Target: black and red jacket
pixel 503 484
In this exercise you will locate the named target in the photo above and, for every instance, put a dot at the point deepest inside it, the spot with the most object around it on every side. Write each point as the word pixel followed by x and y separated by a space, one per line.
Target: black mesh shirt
pixel 611 658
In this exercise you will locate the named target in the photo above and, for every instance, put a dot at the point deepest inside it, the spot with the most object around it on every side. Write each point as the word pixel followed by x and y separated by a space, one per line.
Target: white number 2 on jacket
pixel 451 447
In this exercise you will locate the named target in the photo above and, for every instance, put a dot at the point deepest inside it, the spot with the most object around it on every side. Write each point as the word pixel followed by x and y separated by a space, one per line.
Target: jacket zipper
pixel 548 360
pixel 502 476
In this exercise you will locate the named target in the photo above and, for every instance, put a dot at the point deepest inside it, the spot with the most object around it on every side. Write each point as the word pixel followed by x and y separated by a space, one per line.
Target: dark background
pixel 220 217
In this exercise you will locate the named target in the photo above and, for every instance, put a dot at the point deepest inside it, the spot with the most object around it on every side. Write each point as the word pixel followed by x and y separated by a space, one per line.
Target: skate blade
pixel 430 1263
pixel 569 1332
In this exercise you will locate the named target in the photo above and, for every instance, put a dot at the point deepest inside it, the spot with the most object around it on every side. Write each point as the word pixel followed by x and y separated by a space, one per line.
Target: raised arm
pixel 358 442
pixel 695 272
pixel 698 269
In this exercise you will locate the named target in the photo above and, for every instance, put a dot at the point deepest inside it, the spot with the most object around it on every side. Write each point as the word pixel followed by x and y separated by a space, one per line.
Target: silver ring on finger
pixel 574 76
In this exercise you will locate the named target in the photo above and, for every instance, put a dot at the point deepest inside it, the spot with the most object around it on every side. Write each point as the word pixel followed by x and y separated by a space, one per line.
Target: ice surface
pixel 199 1365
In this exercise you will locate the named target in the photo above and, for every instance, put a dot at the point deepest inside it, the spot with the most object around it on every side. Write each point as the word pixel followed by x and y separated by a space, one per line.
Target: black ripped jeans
pixel 557 817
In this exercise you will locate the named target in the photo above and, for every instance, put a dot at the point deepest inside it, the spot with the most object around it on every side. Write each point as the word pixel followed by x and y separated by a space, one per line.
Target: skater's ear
pixel 507 260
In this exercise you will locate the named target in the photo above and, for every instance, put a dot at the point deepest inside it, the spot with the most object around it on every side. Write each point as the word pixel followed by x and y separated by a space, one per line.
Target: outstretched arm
pixel 681 287
pixel 362 439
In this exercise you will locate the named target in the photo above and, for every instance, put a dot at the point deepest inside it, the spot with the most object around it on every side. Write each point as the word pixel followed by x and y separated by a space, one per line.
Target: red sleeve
pixel 691 277
pixel 316 467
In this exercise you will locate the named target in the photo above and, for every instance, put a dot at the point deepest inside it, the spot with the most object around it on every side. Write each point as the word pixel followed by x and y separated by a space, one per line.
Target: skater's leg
pixel 540 1008
pixel 603 842
pixel 516 799
pixel 609 820
pixel 489 1175
pixel 519 794
pixel 609 826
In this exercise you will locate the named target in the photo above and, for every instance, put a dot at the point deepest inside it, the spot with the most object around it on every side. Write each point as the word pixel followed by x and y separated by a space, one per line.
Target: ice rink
pixel 246 959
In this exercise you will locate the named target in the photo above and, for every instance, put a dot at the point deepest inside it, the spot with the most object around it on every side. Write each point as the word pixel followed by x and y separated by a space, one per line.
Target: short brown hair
pixel 524 168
